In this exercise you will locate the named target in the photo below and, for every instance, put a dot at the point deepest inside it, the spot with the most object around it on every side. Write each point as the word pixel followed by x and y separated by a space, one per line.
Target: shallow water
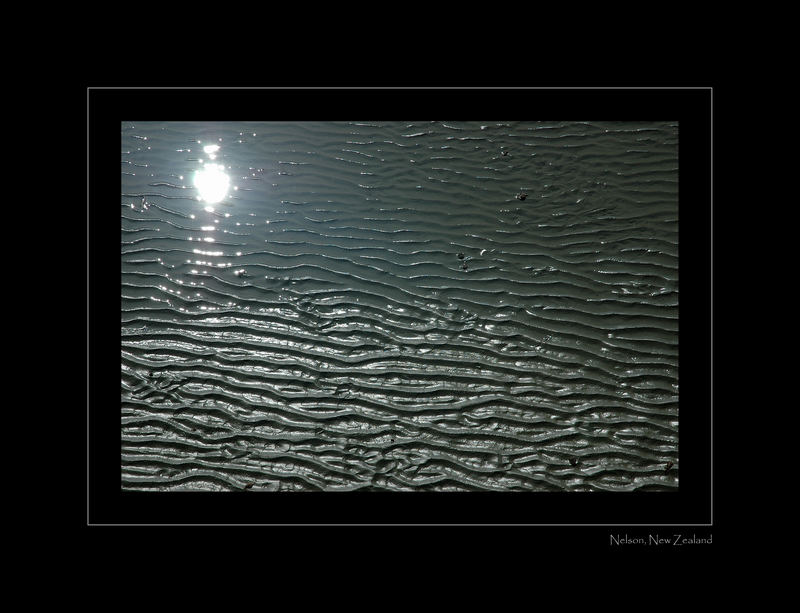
pixel 316 330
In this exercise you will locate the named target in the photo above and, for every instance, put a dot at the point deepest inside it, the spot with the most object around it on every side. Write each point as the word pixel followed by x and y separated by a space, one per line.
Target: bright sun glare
pixel 212 182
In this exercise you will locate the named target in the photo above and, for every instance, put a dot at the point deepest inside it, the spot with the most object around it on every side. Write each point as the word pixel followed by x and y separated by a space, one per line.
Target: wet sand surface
pixel 400 306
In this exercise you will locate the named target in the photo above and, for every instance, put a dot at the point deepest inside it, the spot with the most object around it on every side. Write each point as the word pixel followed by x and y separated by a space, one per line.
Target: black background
pixel 635 514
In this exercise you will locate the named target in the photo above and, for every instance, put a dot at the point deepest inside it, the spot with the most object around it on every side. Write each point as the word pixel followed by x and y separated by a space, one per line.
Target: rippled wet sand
pixel 317 329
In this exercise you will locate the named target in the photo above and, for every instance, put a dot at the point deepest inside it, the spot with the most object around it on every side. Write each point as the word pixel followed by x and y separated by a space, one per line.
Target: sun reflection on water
pixel 211 180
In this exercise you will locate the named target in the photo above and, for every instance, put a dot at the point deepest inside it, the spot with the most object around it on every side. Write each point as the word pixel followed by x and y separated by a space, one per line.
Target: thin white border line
pixel 88 351
pixel 429 87
pixel 711 309
pixel 448 525
pixel 711 174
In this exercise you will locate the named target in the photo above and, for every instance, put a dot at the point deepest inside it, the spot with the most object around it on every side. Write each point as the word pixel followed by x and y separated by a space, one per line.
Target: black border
pixel 690 505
